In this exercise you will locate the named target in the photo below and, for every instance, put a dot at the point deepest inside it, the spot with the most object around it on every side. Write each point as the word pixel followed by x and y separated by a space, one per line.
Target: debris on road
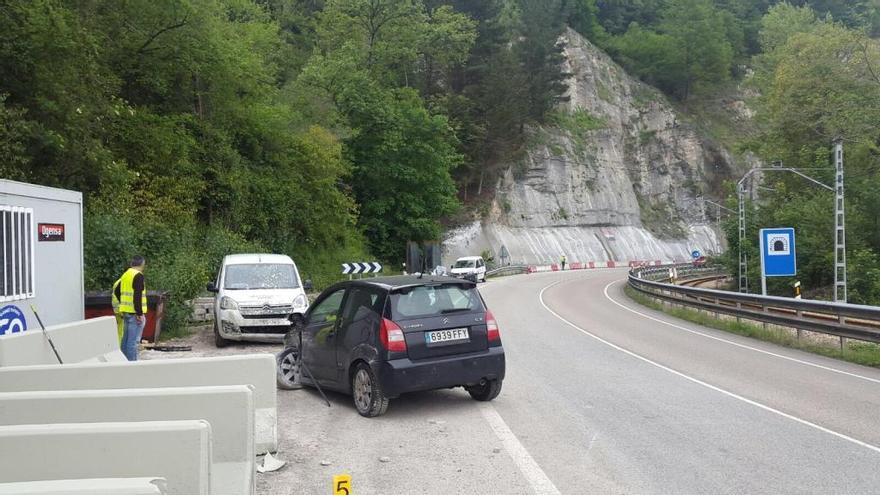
pixel 167 347
pixel 270 464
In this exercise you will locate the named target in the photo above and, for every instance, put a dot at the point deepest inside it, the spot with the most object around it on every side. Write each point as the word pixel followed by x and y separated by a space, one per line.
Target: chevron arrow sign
pixel 359 268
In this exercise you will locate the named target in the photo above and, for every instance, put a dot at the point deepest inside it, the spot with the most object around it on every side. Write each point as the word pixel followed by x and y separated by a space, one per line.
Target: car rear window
pixel 434 300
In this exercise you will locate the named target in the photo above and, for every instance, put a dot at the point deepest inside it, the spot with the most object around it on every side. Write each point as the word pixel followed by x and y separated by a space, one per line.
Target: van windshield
pixel 438 300
pixel 465 264
pixel 260 276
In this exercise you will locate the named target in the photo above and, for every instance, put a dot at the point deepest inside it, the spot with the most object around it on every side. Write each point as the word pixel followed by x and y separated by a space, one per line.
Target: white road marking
pixel 743 346
pixel 536 476
pixel 704 384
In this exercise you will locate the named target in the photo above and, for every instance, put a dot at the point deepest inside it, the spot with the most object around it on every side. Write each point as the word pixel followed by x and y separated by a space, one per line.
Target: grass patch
pixel 864 353
pixel 577 122
pixel 603 92
pixel 646 137
pixel 181 332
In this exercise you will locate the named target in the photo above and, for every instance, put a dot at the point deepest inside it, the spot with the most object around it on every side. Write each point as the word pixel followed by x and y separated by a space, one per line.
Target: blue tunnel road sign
pixel 778 258
pixel 696 254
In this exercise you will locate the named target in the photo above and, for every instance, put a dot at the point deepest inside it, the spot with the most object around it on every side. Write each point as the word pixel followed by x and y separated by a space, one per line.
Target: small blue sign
pixel 12 320
pixel 696 254
pixel 778 257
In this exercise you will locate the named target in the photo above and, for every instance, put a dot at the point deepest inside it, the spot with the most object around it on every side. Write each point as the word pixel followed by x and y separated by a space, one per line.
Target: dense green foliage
pixel 328 130
pixel 688 46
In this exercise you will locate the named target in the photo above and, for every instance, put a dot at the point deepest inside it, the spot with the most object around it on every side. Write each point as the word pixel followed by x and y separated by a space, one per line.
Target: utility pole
pixel 839 226
pixel 743 258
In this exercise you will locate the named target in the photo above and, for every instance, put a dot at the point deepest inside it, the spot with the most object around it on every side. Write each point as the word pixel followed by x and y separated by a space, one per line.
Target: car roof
pixel 256 258
pixel 401 281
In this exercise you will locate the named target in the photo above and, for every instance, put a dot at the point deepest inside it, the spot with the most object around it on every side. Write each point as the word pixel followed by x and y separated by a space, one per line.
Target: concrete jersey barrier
pixel 179 451
pixel 92 340
pixel 228 409
pixel 254 369
pixel 102 486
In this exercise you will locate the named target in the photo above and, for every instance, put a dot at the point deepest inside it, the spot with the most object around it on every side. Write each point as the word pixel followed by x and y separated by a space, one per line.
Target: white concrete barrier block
pixel 87 340
pixel 228 409
pixel 103 486
pixel 179 451
pixel 254 369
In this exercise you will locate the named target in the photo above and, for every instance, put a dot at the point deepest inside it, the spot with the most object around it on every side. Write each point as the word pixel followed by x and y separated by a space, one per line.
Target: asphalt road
pixel 601 396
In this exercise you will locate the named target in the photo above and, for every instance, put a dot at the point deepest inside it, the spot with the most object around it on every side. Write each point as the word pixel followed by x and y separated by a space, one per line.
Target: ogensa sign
pixel 51 232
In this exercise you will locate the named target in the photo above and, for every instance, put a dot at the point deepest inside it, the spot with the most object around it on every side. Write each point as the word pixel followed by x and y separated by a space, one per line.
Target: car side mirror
pixel 307 285
pixel 212 288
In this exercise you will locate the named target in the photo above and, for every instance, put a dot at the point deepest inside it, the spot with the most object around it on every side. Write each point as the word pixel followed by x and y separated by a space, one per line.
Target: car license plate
pixel 446 336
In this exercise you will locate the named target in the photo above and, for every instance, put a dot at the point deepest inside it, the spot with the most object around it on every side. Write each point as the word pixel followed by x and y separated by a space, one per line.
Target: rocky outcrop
pixel 614 177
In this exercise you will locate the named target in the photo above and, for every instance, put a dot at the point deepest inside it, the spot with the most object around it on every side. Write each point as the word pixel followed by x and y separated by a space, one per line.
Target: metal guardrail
pixel 507 270
pixel 850 321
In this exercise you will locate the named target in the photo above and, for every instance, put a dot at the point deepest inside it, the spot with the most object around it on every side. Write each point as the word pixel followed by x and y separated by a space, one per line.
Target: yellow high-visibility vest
pixel 126 292
pixel 114 301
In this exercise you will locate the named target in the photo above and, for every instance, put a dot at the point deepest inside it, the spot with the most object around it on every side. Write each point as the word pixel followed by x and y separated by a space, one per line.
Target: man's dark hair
pixel 137 260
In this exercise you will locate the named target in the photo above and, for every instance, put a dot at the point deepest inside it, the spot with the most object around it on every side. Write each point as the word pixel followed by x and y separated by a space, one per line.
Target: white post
pixel 743 260
pixel 839 227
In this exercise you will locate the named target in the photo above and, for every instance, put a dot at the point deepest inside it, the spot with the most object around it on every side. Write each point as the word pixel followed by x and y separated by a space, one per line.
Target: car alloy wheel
pixel 366 393
pixel 289 369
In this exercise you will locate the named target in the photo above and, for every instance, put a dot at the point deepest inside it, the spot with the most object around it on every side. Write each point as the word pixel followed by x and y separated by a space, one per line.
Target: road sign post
pixel 778 256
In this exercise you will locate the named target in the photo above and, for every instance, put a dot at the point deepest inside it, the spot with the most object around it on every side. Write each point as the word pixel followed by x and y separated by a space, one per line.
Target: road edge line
pixel 737 344
pixel 537 478
pixel 702 383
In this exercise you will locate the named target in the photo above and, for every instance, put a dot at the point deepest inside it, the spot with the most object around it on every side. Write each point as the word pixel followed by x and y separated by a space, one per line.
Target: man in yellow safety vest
pixel 131 292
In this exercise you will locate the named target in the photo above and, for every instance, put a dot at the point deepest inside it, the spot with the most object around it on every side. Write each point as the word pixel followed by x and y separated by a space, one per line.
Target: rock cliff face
pixel 614 177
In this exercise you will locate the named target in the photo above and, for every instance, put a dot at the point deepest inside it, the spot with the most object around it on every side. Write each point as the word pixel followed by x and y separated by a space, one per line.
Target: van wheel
pixel 366 392
pixel 486 391
pixel 219 341
pixel 289 369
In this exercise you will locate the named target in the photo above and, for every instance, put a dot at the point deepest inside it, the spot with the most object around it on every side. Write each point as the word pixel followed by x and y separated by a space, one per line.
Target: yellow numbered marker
pixel 342 484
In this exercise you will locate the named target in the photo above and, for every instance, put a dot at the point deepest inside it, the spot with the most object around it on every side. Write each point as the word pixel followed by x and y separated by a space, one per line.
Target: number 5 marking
pixel 342 484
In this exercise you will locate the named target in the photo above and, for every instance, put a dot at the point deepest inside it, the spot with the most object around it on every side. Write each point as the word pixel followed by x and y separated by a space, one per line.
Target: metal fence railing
pixel 849 321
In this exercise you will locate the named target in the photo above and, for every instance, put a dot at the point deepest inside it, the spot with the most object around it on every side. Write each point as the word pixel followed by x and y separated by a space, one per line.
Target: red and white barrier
pixel 590 265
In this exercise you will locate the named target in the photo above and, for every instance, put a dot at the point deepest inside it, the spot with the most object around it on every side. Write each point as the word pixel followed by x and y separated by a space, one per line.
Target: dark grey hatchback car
pixel 379 338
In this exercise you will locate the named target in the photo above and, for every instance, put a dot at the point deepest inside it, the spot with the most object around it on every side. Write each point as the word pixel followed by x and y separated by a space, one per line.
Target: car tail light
pixel 392 336
pixel 492 327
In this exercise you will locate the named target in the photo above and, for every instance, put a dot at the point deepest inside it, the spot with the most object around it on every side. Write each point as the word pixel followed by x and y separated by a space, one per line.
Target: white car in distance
pixel 256 298
pixel 470 267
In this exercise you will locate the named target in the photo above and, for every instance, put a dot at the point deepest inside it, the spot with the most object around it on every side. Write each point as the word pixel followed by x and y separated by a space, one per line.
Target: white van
pixel 471 267
pixel 256 297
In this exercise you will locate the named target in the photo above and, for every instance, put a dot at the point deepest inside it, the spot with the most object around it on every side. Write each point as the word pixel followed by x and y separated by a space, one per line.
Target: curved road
pixel 603 396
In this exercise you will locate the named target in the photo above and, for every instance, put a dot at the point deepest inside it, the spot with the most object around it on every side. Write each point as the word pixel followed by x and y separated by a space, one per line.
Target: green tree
pixel 701 43
pixel 540 52
pixel 689 51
